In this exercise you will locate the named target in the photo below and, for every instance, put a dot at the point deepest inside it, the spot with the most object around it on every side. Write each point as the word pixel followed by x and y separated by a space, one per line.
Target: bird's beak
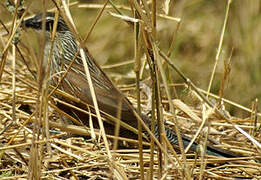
pixel 28 23
pixel 32 23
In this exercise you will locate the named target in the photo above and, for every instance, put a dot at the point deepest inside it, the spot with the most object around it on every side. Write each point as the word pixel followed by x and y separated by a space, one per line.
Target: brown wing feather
pixel 108 96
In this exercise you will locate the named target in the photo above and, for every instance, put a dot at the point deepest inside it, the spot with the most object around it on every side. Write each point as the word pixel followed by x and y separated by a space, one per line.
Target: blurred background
pixel 195 47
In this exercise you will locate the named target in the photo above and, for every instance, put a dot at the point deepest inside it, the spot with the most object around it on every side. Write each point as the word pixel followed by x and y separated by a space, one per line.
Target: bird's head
pixel 36 23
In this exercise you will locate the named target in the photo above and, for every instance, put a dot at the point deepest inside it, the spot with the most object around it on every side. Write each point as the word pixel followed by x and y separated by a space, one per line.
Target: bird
pixel 64 48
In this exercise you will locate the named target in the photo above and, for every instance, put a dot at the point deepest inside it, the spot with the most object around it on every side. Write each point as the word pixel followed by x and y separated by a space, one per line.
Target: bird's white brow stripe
pixel 49 18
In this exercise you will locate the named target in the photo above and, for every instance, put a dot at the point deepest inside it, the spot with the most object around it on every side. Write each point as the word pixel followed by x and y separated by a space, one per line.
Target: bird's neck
pixel 62 49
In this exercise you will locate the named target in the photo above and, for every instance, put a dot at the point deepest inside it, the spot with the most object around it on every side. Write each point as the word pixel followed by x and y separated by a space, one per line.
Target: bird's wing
pixel 108 96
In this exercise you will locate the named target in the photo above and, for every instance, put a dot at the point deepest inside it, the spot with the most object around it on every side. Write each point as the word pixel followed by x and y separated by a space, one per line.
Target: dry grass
pixel 27 149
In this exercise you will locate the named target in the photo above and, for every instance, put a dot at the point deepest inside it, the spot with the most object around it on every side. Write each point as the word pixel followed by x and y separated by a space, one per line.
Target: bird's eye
pixel 49 25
